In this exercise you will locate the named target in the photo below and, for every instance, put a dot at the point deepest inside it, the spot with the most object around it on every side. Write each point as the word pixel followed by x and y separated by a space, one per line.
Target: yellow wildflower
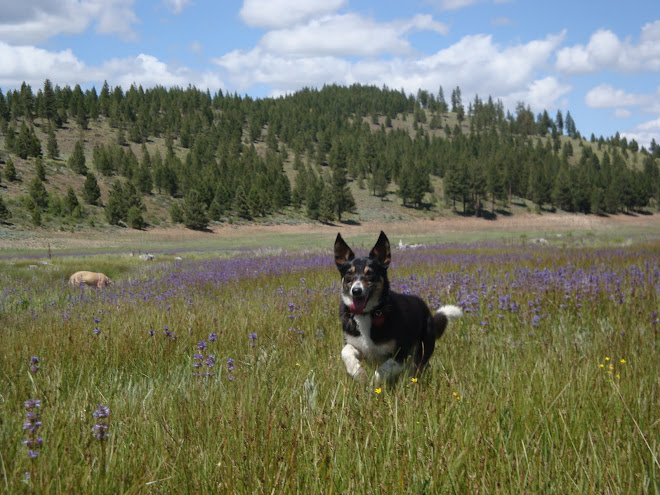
pixel 414 380
pixel 623 361
pixel 379 390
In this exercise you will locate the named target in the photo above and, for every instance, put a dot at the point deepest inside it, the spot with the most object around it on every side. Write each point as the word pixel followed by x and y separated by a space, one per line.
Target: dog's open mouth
pixel 357 305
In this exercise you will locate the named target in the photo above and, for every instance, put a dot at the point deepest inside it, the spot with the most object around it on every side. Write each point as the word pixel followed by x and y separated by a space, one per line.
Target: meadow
pixel 222 374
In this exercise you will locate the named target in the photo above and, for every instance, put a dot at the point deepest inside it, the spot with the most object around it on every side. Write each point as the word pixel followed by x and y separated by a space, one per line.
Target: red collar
pixel 378 318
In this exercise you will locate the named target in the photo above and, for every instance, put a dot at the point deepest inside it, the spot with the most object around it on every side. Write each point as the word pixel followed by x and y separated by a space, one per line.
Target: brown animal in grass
pixel 93 279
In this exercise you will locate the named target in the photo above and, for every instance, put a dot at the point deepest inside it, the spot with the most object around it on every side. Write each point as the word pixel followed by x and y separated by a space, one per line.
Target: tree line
pixel 224 154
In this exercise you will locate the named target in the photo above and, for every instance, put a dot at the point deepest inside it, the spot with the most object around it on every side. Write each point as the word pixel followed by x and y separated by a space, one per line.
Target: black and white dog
pixel 396 332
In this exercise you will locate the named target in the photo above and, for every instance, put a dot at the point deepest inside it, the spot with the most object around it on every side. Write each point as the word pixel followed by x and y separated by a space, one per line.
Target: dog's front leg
pixel 388 371
pixel 351 357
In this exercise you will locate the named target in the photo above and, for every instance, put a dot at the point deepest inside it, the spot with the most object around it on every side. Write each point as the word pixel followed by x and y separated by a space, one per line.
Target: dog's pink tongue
pixel 357 306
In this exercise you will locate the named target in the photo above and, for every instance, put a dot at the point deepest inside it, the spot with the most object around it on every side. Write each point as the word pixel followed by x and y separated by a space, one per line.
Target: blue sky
pixel 600 60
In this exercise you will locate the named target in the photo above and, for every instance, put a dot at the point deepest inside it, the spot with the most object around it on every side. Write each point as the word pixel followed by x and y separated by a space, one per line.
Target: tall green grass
pixel 568 404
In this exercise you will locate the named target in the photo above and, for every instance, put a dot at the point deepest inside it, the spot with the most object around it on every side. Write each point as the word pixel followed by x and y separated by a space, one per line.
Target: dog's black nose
pixel 356 291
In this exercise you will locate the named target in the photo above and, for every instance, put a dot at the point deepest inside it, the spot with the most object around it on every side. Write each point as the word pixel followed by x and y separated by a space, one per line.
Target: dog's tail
pixel 443 315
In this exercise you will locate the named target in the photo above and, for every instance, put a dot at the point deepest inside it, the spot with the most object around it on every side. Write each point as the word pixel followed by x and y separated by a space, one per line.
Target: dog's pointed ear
pixel 381 251
pixel 343 253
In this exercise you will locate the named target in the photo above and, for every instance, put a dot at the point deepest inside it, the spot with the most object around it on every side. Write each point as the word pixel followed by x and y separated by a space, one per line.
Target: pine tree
pixel 71 201
pixel 571 131
pixel 344 201
pixel 77 159
pixel 10 170
pixel 442 103
pixel 327 207
pixel 116 209
pixel 26 144
pixel 240 206
pixel 176 213
pixel 36 216
pixel 495 183
pixel 50 105
pixel 38 193
pixel 194 211
pixel 91 191
pixel 52 148
pixel 143 179
pixel 561 191
pixel 5 213
pixel 135 219
pixel 313 197
pixel 40 169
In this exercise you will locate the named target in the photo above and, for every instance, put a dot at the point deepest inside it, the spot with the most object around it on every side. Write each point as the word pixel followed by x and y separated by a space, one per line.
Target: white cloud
pixel 644 133
pixel 605 96
pixel 605 51
pixel 276 14
pixel 347 35
pixel 541 94
pixel 246 69
pixel 35 21
pixel 148 71
pixel 478 65
pixel 34 65
pixel 475 63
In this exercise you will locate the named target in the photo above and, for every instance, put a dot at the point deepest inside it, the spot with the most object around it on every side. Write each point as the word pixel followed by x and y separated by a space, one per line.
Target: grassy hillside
pixel 102 131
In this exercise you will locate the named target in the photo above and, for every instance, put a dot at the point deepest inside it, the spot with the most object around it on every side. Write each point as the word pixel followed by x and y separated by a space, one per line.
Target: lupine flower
pixel 213 337
pixel 253 338
pixel 201 345
pixel 100 430
pixel 34 361
pixel 151 332
pixel 97 331
pixel 31 427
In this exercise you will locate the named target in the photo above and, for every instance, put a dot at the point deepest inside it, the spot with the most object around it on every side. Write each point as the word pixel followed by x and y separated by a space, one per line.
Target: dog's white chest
pixel 368 348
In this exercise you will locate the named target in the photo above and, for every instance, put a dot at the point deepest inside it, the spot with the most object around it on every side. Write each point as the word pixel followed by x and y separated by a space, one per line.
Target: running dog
pixel 395 332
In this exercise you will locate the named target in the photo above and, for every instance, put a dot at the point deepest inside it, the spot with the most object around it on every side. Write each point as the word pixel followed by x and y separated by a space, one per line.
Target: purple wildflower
pixel 31 426
pixel 97 331
pixel 100 430
pixel 253 338
pixel 32 403
pixel 213 337
pixel 151 332
pixel 34 361
pixel 102 411
pixel 201 345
